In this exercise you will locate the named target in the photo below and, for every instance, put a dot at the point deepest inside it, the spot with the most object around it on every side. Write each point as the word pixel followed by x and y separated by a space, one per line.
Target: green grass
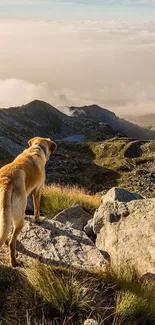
pixel 152 146
pixel 57 198
pixel 48 295
pixel 59 289
pixel 142 160
pixel 135 298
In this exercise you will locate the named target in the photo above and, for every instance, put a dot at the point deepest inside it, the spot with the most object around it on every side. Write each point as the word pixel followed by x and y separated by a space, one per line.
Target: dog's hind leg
pixel 17 228
pixel 5 215
pixel 18 215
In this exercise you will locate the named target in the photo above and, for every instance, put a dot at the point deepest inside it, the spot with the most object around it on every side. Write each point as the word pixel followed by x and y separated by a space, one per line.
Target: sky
pixel 78 52
pixel 78 9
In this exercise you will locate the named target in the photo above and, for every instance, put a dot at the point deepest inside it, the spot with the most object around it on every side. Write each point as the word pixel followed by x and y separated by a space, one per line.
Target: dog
pixel 25 175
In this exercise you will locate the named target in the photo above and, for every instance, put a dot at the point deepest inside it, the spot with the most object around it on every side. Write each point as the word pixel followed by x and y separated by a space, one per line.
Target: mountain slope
pixel 94 123
pixel 39 116
pixel 97 113
pixel 103 159
pixel 18 124
pixel 147 120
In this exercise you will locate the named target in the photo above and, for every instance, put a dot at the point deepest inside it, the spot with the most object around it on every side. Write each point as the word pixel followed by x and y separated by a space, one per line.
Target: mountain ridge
pixel 120 124
pixel 93 122
pixel 107 155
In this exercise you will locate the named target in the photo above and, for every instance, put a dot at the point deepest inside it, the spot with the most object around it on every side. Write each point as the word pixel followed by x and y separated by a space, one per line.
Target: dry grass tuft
pixel 57 198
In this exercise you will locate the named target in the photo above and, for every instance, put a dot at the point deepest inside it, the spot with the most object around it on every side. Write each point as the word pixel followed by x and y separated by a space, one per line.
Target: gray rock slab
pixel 120 194
pixel 52 242
pixel 74 217
pixel 130 241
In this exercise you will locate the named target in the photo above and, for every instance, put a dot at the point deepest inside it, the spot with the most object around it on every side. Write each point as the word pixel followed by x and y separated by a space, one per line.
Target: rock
pixel 130 241
pixel 119 194
pixel 91 322
pixel 89 228
pixel 133 149
pixel 52 242
pixel 74 217
pixel 108 212
pixel 148 280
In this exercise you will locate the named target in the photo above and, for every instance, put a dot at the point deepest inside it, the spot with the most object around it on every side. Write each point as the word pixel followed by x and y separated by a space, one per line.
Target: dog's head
pixel 46 143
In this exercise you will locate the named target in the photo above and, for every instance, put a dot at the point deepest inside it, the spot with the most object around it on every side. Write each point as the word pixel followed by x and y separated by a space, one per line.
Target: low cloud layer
pixel 77 63
pixel 50 2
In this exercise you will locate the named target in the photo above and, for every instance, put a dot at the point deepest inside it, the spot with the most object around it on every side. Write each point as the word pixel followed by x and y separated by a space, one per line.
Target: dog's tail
pixel 5 214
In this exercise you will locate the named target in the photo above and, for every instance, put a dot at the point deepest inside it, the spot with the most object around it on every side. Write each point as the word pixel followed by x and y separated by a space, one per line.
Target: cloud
pixel 89 2
pixel 16 92
pixel 78 62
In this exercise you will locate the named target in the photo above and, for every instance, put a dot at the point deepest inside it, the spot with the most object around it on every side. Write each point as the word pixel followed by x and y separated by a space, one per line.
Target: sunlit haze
pixel 78 52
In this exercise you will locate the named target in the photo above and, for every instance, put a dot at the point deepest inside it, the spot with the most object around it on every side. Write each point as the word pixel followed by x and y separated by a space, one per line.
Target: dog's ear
pixel 53 145
pixel 31 141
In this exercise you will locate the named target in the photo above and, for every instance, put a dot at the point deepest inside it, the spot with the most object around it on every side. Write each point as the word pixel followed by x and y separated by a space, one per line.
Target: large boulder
pixel 109 212
pixel 113 207
pixel 120 194
pixel 126 231
pixel 53 242
pixel 74 217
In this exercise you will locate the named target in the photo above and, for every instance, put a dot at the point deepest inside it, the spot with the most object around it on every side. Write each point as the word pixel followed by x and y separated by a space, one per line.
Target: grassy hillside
pixel 97 166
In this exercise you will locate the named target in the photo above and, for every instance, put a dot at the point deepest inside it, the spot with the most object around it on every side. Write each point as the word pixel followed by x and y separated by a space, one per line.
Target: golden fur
pixel 25 175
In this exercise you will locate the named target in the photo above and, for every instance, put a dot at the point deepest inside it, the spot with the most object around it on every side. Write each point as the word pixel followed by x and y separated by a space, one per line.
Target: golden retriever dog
pixel 25 175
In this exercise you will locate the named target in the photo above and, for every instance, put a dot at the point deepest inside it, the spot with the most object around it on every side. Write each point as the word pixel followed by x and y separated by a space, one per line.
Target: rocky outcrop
pixel 111 209
pixel 53 242
pixel 133 149
pixel 89 228
pixel 74 217
pixel 121 195
pixel 126 231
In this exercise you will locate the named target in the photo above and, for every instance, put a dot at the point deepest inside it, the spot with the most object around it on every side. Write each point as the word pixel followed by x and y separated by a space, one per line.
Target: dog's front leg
pixel 36 195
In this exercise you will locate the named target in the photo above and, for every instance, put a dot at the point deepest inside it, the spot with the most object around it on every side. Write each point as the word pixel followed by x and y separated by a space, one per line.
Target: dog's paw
pixel 16 263
pixel 39 219
pixel 7 241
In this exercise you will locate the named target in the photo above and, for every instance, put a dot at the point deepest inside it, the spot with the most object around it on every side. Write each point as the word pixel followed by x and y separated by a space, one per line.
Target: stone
pixel 74 217
pixel 148 280
pixel 120 194
pixel 89 228
pixel 108 211
pixel 90 322
pixel 130 241
pixel 52 242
